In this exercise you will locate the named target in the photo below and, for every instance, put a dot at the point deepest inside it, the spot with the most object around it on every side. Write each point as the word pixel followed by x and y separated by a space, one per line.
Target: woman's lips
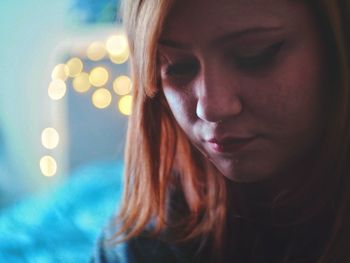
pixel 229 145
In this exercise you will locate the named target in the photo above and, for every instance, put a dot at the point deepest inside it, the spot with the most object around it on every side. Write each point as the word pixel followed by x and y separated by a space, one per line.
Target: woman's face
pixel 245 80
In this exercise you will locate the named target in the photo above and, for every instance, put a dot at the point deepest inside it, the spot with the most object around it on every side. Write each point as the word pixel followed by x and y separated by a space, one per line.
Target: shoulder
pixel 141 249
pixel 104 252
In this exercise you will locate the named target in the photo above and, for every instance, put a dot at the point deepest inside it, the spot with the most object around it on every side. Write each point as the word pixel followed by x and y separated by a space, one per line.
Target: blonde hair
pixel 159 156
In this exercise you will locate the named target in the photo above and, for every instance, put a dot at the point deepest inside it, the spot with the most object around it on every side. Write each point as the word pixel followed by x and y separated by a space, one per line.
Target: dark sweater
pixel 253 243
pixel 252 238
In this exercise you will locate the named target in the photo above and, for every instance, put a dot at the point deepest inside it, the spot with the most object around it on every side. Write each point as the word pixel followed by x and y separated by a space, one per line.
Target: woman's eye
pixel 258 61
pixel 181 69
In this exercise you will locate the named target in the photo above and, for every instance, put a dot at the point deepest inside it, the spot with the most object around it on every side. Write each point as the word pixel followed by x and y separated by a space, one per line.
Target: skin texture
pixel 246 81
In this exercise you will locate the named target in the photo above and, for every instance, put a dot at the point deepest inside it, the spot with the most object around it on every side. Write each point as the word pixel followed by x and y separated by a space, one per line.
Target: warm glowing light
pixel 101 98
pixel 48 165
pixel 122 85
pixel 61 72
pixel 117 45
pixel 96 51
pixel 81 82
pixel 75 66
pixel 120 58
pixel 50 138
pixel 125 104
pixel 98 76
pixel 57 89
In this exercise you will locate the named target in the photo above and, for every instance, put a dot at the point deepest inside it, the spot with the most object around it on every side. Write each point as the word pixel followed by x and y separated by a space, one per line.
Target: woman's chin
pixel 243 172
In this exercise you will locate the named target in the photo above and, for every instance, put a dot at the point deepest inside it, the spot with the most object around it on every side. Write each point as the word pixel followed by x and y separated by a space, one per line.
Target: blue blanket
pixel 62 225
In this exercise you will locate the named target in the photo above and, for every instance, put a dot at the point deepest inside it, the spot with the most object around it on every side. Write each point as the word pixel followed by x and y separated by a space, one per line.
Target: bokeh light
pixel 98 76
pixel 120 58
pixel 101 98
pixel 125 105
pixel 117 45
pixel 57 89
pixel 122 85
pixel 81 82
pixel 75 66
pixel 48 165
pixel 96 51
pixel 50 138
pixel 60 71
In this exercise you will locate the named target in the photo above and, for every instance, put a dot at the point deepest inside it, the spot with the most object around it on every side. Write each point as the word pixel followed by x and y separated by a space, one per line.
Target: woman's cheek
pixel 182 105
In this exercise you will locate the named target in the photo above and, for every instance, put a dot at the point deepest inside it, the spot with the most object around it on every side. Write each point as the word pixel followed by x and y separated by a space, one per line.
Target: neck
pixel 295 196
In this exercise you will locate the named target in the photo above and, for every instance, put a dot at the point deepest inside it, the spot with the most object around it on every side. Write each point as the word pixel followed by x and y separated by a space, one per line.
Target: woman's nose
pixel 217 96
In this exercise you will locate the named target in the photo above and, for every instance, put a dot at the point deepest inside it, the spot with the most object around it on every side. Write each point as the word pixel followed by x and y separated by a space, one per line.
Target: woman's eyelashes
pixel 182 68
pixel 258 61
pixel 245 61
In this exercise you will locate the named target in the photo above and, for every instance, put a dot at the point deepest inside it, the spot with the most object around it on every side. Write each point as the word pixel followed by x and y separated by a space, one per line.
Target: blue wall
pixel 34 36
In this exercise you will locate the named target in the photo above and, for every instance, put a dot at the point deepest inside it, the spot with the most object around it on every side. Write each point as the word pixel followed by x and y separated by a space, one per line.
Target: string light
pixel 125 105
pixel 116 45
pixel 48 165
pixel 60 71
pixel 96 51
pixel 98 76
pixel 122 85
pixel 75 66
pixel 101 98
pixel 120 58
pixel 81 82
pixel 50 138
pixel 57 89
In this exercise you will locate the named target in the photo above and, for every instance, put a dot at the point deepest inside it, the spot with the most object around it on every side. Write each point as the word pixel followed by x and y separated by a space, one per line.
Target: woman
pixel 238 143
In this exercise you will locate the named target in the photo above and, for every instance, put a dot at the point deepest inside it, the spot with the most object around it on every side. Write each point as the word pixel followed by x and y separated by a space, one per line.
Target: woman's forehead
pixel 192 18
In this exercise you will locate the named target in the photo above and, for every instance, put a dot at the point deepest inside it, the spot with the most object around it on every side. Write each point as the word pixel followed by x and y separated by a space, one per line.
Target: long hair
pixel 335 16
pixel 159 156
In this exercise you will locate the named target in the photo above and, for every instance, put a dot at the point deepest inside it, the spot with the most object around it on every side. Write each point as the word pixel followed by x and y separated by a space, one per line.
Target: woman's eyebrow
pixel 173 44
pixel 231 36
pixel 243 33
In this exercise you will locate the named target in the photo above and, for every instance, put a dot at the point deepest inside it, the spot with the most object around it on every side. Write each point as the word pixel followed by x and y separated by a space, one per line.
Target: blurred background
pixel 64 106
